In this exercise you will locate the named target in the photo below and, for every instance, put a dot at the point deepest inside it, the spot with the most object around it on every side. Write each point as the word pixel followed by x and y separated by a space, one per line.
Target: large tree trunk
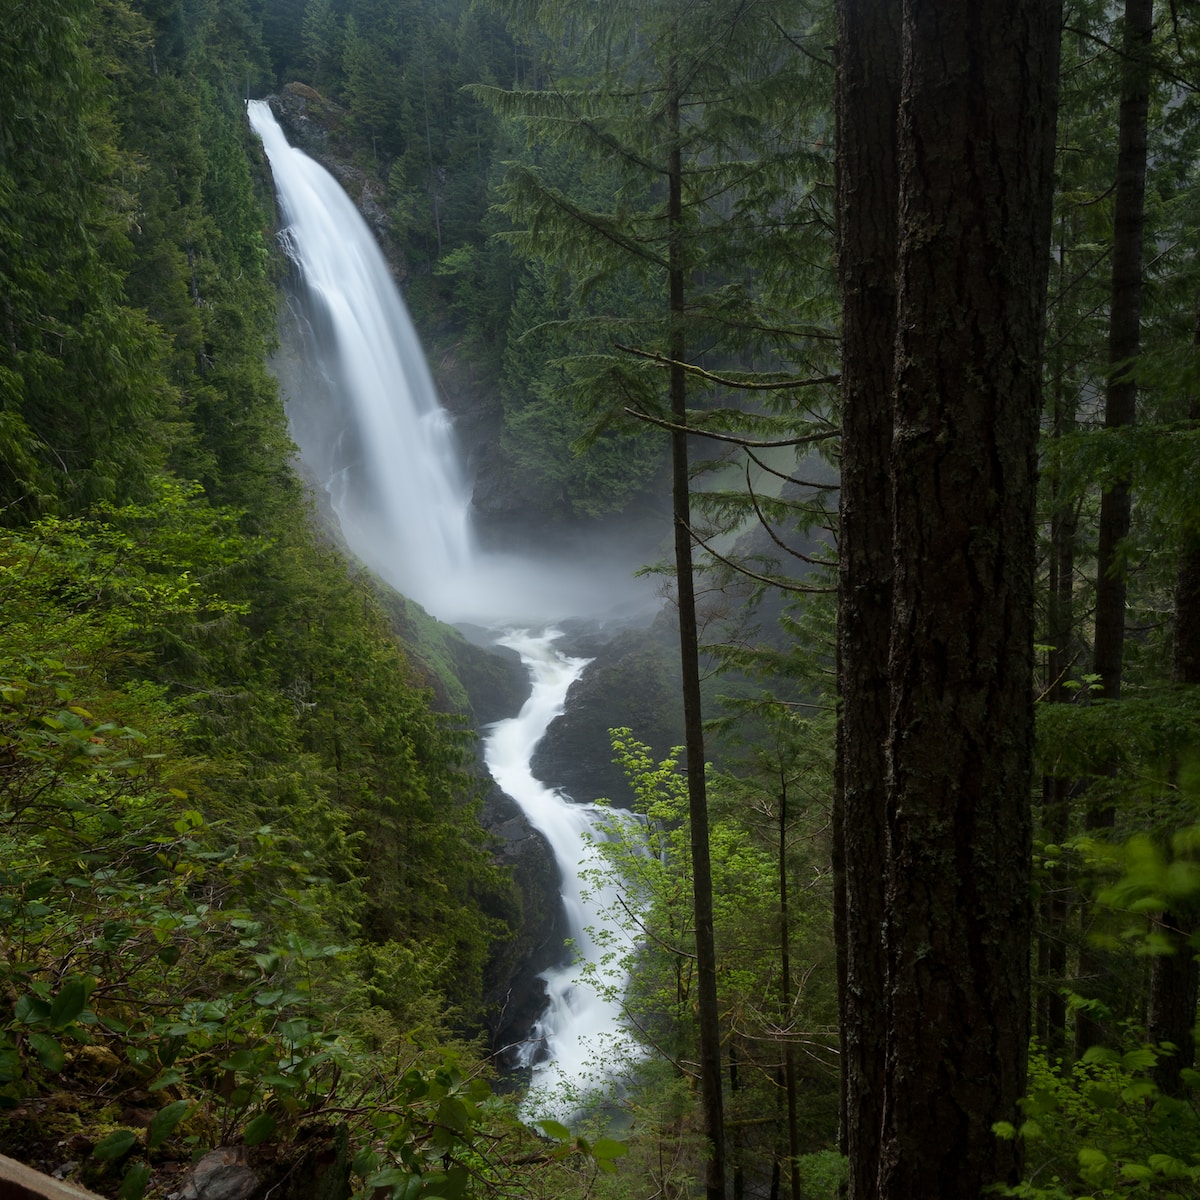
pixel 868 96
pixel 975 154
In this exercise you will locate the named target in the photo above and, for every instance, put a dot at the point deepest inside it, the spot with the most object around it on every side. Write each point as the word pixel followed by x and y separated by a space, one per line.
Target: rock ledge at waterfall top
pixel 318 127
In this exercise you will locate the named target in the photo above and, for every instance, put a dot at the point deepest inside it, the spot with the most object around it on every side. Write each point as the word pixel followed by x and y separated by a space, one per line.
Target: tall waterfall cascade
pixel 370 429
pixel 366 416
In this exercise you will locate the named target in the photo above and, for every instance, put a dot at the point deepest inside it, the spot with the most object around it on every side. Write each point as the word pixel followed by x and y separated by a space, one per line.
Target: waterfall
pixel 370 429
pixel 395 454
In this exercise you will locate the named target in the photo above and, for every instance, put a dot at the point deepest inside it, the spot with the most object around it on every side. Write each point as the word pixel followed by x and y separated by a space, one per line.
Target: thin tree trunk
pixel 689 655
pixel 785 998
pixel 868 98
pixel 1120 410
pixel 1057 791
pixel 1124 333
pixel 1175 977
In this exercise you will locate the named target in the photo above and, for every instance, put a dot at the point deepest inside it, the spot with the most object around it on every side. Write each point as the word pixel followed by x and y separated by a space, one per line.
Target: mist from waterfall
pixel 366 417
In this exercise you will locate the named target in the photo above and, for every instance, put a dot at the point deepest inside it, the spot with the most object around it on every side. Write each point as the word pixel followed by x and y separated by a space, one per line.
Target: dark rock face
pixel 318 127
pixel 633 681
pixel 516 996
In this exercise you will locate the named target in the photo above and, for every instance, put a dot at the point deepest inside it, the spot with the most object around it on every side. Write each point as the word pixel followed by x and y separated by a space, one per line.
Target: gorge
pixel 374 438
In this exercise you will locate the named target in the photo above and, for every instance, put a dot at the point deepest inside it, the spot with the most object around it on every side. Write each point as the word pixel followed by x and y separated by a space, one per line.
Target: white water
pixel 375 435
pixel 579 1038
pixel 381 444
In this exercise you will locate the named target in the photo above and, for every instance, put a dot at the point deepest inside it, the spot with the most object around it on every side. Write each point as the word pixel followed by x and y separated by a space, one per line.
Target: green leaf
pixel 69 1003
pixel 1137 1171
pixel 31 1010
pixel 163 1123
pixel 133 1186
pixel 1141 1059
pixel 1170 1166
pixel 404 1184
pixel 259 1129
pixel 452 1112
pixel 50 1054
pixel 240 1060
pixel 364 1162
pixel 609 1148
pixel 554 1129
pixel 115 1145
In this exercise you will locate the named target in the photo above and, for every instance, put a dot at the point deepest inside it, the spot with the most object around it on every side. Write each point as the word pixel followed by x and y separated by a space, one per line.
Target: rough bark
pixel 976 145
pixel 868 95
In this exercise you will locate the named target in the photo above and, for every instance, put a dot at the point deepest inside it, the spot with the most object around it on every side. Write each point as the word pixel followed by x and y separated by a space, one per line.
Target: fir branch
pixel 724 381
pixel 783 585
pixel 804 440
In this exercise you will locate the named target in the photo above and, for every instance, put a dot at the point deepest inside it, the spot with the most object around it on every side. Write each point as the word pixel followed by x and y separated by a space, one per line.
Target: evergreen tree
pixel 975 140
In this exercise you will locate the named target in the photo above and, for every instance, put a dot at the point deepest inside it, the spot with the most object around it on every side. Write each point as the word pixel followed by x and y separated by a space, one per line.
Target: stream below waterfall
pixel 371 432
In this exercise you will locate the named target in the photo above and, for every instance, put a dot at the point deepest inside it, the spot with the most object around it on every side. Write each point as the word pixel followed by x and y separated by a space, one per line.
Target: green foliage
pixel 651 860
pixel 1100 1128
pixel 81 386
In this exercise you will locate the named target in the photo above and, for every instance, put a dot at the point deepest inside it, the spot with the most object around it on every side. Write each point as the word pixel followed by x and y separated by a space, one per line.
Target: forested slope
pixel 239 845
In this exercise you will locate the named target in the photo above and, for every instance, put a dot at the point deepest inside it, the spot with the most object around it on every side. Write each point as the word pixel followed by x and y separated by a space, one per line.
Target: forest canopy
pixel 246 898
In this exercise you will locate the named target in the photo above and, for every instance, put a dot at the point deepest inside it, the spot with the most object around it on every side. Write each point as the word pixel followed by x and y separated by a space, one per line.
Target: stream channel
pixel 372 432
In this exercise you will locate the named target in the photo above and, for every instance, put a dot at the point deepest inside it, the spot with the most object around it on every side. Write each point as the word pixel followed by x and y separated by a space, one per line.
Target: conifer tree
pixel 975 143
pixel 692 114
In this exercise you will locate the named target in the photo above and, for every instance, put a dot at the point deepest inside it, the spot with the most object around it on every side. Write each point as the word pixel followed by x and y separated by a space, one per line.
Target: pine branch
pixel 745 571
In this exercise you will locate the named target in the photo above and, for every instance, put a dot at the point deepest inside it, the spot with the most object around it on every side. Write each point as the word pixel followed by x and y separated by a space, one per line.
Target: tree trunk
pixel 1124 333
pixel 689 655
pixel 1056 791
pixel 1120 408
pixel 785 998
pixel 1175 977
pixel 976 150
pixel 868 97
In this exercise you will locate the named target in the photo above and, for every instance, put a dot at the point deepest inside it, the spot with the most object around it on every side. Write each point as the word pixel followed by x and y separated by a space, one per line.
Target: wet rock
pixel 317 126
pixel 634 682
pixel 515 995
pixel 222 1174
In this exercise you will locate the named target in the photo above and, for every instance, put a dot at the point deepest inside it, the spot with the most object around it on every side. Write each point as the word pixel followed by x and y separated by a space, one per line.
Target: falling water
pixel 380 443
pixel 581 1027
pixel 395 454
pixel 373 432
